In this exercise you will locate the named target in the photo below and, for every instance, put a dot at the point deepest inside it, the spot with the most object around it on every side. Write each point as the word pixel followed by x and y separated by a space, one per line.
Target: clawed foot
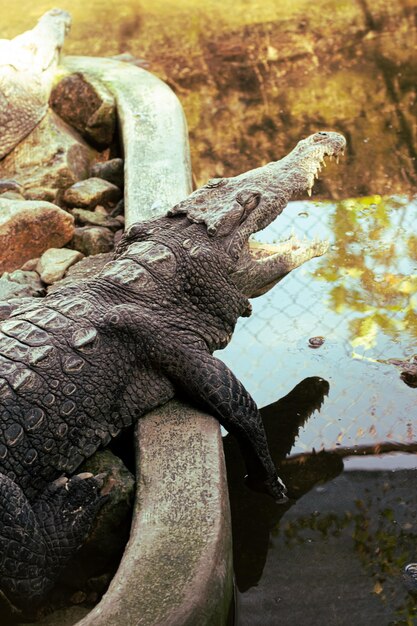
pixel 273 486
pixel 37 541
pixel 70 506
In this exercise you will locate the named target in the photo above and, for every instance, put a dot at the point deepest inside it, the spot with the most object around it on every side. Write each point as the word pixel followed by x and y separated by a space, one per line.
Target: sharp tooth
pixel 343 153
pixel 309 191
pixel 331 157
pixel 337 159
pixel 324 162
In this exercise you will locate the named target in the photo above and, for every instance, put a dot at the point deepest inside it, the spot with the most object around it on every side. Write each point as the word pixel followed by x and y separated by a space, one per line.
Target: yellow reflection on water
pixel 254 77
pixel 373 267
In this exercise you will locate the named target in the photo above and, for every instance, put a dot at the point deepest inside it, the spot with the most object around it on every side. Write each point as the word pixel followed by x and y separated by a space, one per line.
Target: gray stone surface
pixel 177 567
pixel 54 263
pixel 19 284
pixel 93 240
pixel 53 156
pixel 91 192
pixel 154 135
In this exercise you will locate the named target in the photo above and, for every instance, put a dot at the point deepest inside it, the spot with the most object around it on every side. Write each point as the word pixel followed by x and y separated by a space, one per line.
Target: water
pixel 361 297
pixel 336 554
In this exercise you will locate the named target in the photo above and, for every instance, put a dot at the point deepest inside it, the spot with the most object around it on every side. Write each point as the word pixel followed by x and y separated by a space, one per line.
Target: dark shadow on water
pixel 255 515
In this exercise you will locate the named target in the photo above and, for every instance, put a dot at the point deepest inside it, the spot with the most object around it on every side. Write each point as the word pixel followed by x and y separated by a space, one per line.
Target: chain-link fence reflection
pixel 362 298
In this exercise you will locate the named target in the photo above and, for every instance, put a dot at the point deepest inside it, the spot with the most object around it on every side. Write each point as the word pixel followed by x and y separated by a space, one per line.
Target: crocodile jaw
pixel 261 266
pixel 233 209
pixel 273 262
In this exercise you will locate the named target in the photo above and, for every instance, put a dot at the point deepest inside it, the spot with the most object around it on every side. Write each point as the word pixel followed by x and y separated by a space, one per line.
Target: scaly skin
pixel 88 360
pixel 27 66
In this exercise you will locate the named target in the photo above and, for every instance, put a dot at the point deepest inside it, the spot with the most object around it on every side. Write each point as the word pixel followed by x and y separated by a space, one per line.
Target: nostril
pixel 320 135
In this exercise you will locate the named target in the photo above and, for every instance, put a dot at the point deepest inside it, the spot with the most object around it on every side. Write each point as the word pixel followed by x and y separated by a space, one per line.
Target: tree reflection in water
pixel 375 255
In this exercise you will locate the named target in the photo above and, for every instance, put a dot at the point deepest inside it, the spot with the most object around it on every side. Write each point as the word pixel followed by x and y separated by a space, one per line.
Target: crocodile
pixel 28 64
pixel 84 363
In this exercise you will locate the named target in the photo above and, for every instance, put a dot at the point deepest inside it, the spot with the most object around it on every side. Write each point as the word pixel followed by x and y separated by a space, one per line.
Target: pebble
pixel 316 342
pixel 54 263
pixel 90 192
pixel 28 228
pixel 93 240
pixel 112 171
pixel 95 218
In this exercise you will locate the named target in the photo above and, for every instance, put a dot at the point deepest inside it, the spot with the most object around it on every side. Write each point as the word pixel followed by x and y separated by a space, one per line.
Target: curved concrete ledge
pixel 177 566
pixel 153 132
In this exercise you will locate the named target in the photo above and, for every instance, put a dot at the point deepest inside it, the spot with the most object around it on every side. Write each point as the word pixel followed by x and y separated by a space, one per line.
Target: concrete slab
pixel 177 567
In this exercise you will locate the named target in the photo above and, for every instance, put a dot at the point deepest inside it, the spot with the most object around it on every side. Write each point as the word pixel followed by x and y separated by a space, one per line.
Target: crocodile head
pixel 234 208
pixel 27 68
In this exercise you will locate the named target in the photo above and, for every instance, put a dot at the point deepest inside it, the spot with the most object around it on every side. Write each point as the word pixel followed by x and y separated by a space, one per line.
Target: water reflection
pixel 254 79
pixel 351 531
pixel 282 421
pixel 374 253
pixel 361 297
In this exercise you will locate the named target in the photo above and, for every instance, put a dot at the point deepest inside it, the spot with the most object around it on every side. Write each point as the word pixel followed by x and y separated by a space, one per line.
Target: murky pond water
pixel 254 79
pixel 335 557
pixel 361 298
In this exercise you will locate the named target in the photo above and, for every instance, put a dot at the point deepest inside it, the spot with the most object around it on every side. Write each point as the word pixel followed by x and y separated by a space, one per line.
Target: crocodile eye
pixel 214 182
pixel 248 199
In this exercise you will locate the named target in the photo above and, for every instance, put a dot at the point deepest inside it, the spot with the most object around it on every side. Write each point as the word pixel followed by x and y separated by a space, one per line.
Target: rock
pixel 97 219
pixel 93 240
pixel 8 184
pixel 41 193
pixel 19 284
pixel 118 209
pixel 101 552
pixel 54 263
pixel 53 156
pixel 88 267
pixel 112 171
pixel 30 265
pixel 87 106
pixel 101 209
pixel 117 236
pixel 12 195
pixel 91 192
pixel 28 228
pixel 316 342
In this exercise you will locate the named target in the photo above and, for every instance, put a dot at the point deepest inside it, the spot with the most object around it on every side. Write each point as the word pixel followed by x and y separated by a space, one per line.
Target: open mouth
pixel 274 261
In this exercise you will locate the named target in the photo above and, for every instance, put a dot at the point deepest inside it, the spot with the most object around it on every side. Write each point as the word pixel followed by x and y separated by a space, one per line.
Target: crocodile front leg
pixel 36 540
pixel 212 384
